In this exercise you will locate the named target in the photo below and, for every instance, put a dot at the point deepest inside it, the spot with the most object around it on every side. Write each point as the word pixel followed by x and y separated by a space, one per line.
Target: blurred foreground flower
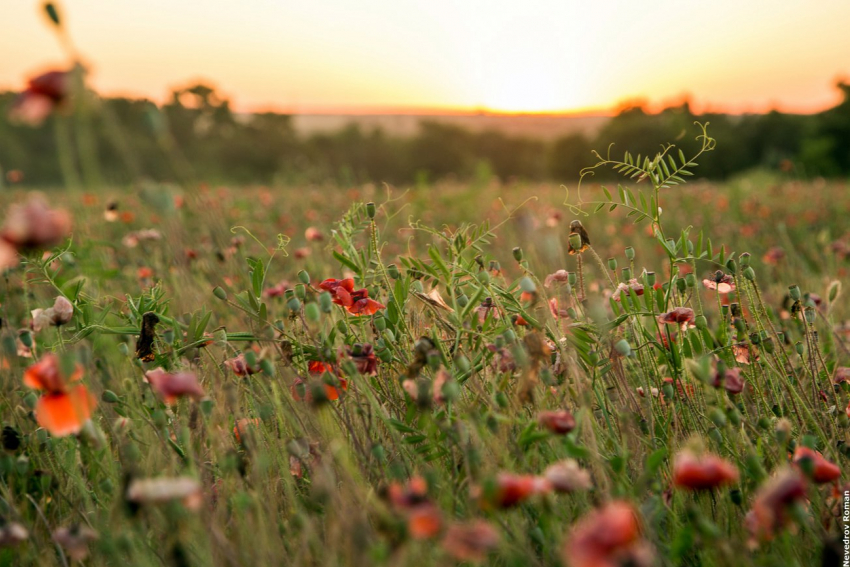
pixel 607 537
pixel 166 489
pixel 567 476
pixel 173 385
pixel 62 312
pixel 815 465
pixel 75 540
pixel 703 472
pixel 772 503
pixel 29 226
pixel 471 541
pixel 63 409
pixel 12 534
pixel 43 94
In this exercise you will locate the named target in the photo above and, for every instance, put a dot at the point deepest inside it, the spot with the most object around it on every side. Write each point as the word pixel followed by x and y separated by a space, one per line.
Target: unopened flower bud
pixel 750 274
pixel 517 254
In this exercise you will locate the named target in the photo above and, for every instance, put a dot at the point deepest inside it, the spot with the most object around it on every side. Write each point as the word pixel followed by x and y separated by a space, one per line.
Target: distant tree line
pixel 196 135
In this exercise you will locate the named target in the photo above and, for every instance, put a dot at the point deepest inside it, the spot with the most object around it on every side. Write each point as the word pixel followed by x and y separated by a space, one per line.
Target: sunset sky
pixel 441 55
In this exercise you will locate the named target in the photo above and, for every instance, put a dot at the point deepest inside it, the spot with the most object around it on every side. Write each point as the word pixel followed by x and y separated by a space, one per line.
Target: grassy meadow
pixel 476 395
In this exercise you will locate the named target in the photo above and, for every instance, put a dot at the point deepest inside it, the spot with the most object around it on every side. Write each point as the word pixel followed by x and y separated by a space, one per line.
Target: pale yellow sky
pixel 536 55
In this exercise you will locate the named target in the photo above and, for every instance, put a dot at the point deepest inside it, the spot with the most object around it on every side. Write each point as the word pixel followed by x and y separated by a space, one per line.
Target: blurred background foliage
pixel 197 131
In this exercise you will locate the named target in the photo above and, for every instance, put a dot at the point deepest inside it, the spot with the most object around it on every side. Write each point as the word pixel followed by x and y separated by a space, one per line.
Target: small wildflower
pixel 720 282
pixel 822 470
pixel 567 476
pixel 63 409
pixel 680 315
pixel 173 385
pixel 560 422
pixel 769 511
pixel 606 537
pixel 470 541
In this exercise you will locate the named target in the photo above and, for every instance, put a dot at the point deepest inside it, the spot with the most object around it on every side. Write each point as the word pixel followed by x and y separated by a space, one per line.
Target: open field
pixel 697 424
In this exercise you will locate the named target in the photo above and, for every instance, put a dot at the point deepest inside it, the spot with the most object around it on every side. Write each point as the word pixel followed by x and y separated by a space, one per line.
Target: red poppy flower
pixel 557 421
pixel 408 495
pixel 556 310
pixel 731 379
pixel 627 288
pixel 240 366
pixel 34 225
pixel 366 306
pixel 424 522
pixel 356 302
pixel 720 282
pixel 43 94
pixel 607 537
pixel 822 470
pixel 680 316
pixel 768 513
pixel 243 428
pixel 561 276
pixel 364 358
pixel 171 386
pixel 63 409
pixel 471 541
pixel 704 472
pixel 512 489
pixel 567 476
pixel 331 392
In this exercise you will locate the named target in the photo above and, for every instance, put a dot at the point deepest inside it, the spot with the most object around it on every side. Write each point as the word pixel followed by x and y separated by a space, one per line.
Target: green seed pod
pixel 526 284
pixel 289 294
pixel 768 345
pixel 690 280
pixel 30 399
pixel 52 13
pixel 380 322
pixel 612 264
pixel 388 335
pixel 168 336
pixel 220 293
pixel 715 435
pixel 740 326
pixel 501 400
pixel 724 311
pixel 294 304
pixel 207 406
pixel 755 338
pixel 109 397
pixel 123 349
pixel 794 292
pixel 572 278
pixel 417 285
pixel 630 253
pixel 303 277
pixel 26 338
pixel 484 277
pixel 799 348
pixel 764 423
pixel 325 302
pixel 810 314
pixel 744 258
pixel 462 300
pixel 385 355
pixel 301 291
pixel 649 277
pixel 732 266
pixel 575 242
pixel 668 391
pixel 681 285
pixel 462 363
pixel 734 416
pixel 623 348
pixel 625 274
pixel 571 313
pixel 701 322
pixel 517 252
pixel 451 390
pixel 370 210
pixel 749 273
pixel 717 416
pixel 834 291
pixel 267 367
pixel 393 272
pixel 312 312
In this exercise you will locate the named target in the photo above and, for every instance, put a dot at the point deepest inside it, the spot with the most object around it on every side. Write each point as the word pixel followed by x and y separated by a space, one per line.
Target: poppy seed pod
pixel 690 280
pixel 630 253
pixel 650 278
pixel 220 293
pixel 701 322
pixel 681 286
pixel 517 252
pixel 612 264
pixel 571 278
pixel 370 210
pixel 794 292
pixel 626 274
pixel 304 277
pixel 575 242
pixel 622 347
pixel 810 314
pixel 392 270
pixel 750 274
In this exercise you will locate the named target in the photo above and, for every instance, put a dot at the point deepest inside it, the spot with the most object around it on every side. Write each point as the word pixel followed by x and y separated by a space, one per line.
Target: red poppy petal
pixel 365 307
pixel 65 414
